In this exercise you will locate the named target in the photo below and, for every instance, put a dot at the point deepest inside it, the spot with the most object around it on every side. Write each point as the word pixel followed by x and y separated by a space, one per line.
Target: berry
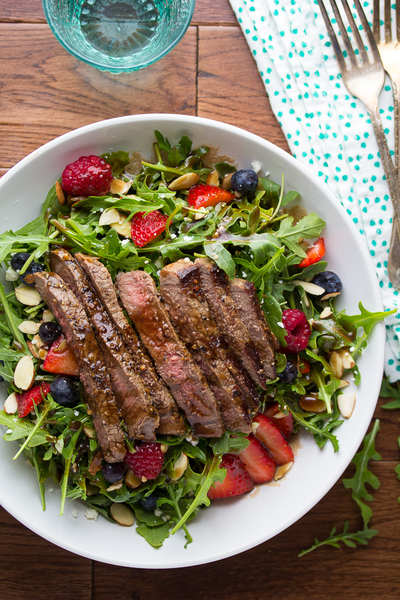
pixel 202 195
pixel 146 227
pixel 271 436
pixel 49 332
pixel 150 502
pixel 329 281
pixel 60 359
pixel 258 463
pixel 87 176
pixel 27 278
pixel 31 397
pixel 297 328
pixel 304 366
pixel 113 472
pixel 64 392
pixel 289 373
pixel 237 480
pixel 147 461
pixel 284 423
pixel 314 253
pixel 18 260
pixel 245 180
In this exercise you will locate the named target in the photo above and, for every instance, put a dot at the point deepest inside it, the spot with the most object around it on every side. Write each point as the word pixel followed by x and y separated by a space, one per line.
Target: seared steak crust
pixel 245 297
pixel 171 422
pixel 137 409
pixel 93 372
pixel 174 363
pixel 180 289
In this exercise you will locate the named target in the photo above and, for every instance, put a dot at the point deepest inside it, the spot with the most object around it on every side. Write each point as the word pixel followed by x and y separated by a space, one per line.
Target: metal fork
pixel 364 78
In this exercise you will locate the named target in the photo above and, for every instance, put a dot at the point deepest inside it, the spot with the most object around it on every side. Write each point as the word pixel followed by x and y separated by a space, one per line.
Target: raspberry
pixel 87 176
pixel 298 330
pixel 147 461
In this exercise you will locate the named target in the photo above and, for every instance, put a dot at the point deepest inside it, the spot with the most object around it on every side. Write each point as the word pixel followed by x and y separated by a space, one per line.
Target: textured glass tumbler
pixel 118 35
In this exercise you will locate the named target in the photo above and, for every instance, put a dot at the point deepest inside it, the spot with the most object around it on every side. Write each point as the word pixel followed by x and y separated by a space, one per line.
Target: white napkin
pixel 327 129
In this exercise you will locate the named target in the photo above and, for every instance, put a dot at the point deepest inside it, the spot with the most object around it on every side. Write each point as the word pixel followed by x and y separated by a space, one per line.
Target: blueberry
pixel 49 332
pixel 289 373
pixel 245 180
pixel 33 268
pixel 329 281
pixel 18 260
pixel 113 472
pixel 150 502
pixel 64 391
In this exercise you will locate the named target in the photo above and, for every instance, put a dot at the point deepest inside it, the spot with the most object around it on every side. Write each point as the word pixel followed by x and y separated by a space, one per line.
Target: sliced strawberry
pixel 30 397
pixel 304 366
pixel 237 480
pixel 271 436
pixel 60 359
pixel 284 423
pixel 146 227
pixel 314 253
pixel 258 463
pixel 202 195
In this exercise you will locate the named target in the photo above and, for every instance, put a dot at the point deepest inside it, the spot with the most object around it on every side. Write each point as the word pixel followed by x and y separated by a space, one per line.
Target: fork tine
pixel 376 23
pixel 355 31
pixel 368 32
pixel 332 36
pixel 344 34
pixel 388 22
pixel 398 20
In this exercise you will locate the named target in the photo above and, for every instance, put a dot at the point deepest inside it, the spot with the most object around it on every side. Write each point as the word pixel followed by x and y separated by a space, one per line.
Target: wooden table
pixel 46 92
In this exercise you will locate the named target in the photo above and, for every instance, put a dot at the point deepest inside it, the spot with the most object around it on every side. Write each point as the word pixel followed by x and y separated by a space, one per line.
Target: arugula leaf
pixel 229 443
pixel 365 319
pixel 224 168
pixel 308 227
pixel 289 197
pixel 155 536
pixel 117 161
pixel 9 239
pixel 348 538
pixel 162 142
pixel 223 258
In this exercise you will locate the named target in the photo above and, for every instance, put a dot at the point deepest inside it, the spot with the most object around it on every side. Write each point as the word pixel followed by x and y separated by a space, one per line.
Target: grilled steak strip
pixel 137 409
pixel 245 298
pixel 171 421
pixel 180 289
pixel 173 361
pixel 215 285
pixel 93 373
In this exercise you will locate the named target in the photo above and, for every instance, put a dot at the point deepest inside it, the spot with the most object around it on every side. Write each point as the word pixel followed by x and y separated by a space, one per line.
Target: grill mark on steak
pixel 180 289
pixel 137 409
pixel 171 421
pixel 245 298
pixel 215 285
pixel 173 361
pixel 93 373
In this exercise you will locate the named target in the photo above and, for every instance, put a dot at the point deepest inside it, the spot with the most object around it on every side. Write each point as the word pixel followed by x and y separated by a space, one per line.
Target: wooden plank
pixel 20 10
pixel 46 91
pixel 209 12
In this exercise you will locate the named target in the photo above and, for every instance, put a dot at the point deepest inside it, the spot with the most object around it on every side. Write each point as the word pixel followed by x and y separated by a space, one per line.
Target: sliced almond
pixel 29 296
pixel 282 470
pixel 60 193
pixel 42 353
pixel 254 427
pixel 343 384
pixel 114 486
pixel 89 431
pixel 29 327
pixel 123 229
pixel 310 288
pixel 226 182
pixel 348 360
pixel 336 364
pixel 213 178
pixel 48 316
pixel 326 313
pixel 11 404
pixel 132 480
pixel 331 295
pixel 110 216
pixel 184 182
pixel 32 349
pixel 180 466
pixel 119 186
pixel 164 448
pixel 122 514
pixel 24 374
pixel 279 415
pixel 313 405
pixel 346 403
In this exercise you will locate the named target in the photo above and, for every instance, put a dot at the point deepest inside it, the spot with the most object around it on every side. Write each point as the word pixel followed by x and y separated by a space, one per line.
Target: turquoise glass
pixel 118 35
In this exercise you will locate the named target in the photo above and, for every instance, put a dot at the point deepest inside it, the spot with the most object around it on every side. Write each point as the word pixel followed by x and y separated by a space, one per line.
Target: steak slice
pixel 215 285
pixel 180 289
pixel 245 297
pixel 173 361
pixel 93 373
pixel 137 409
pixel 171 421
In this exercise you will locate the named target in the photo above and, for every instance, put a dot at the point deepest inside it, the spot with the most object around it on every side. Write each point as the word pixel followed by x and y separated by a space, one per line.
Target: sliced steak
pixel 171 421
pixel 173 361
pixel 137 409
pixel 215 285
pixel 180 289
pixel 93 373
pixel 245 297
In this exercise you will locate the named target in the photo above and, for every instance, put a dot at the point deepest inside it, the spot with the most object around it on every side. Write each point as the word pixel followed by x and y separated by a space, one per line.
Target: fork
pixel 364 78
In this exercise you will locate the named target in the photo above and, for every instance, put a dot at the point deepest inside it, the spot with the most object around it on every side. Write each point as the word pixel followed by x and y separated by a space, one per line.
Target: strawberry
pixel 297 328
pixel 258 463
pixel 285 423
pixel 202 195
pixel 30 397
pixel 147 461
pixel 314 253
pixel 60 359
pixel 304 366
pixel 270 435
pixel 237 480
pixel 146 227
pixel 87 176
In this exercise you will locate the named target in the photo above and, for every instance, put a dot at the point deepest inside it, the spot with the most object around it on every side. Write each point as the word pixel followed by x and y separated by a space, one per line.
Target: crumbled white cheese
pixel 187 238
pixel 11 275
pixel 74 513
pixel 146 262
pixel 59 445
pixel 91 514
pixel 173 236
pixel 166 518
pixel 280 324
pixel 256 166
pixel 76 413
pixel 9 431
pixel 244 275
pixel 186 259
pixel 158 512
pixel 51 490
pixel 124 242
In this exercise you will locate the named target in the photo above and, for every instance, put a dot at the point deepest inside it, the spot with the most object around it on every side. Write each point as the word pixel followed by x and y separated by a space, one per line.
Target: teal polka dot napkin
pixel 326 127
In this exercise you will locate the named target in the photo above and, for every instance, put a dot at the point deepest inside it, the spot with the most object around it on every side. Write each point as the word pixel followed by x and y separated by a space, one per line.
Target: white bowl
pixel 231 526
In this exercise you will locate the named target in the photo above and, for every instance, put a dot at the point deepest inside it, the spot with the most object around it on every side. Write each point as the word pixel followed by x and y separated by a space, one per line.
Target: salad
pixel 181 206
